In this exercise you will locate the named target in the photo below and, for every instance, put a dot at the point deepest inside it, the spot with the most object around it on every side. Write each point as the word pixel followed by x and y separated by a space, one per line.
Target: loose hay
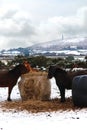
pixel 36 106
pixel 35 85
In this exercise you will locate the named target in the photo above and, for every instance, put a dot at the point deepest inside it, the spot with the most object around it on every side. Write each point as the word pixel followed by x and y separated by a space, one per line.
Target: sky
pixel 27 22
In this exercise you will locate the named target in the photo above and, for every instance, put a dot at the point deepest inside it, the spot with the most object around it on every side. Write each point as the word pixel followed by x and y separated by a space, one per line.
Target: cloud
pixel 70 26
pixel 17 27
pixel 82 13
pixel 15 23
pixel 9 28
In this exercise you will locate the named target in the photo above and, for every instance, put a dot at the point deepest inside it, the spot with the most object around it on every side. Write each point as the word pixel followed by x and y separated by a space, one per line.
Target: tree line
pixel 42 61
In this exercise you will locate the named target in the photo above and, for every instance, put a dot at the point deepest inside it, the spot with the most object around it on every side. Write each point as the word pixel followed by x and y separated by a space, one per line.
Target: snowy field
pixel 11 120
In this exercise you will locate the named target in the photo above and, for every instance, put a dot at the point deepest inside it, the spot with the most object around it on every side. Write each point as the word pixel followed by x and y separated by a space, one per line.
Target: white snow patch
pixel 13 120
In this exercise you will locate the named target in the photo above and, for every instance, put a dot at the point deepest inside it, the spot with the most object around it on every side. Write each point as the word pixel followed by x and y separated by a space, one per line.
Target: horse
pixel 63 78
pixel 30 68
pixel 9 78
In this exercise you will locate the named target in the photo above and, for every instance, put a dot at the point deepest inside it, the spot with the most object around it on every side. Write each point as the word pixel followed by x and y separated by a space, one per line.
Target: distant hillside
pixel 50 46
pixel 61 44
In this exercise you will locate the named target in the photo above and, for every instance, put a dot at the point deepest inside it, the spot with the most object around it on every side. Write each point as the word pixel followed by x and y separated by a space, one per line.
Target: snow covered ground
pixel 11 120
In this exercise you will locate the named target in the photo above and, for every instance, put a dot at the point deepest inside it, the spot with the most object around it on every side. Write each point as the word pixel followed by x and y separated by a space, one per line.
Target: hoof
pixel 62 100
pixel 9 100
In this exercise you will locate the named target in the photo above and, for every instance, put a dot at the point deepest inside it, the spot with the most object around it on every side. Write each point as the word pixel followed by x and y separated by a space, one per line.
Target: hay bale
pixel 35 85
pixel 79 91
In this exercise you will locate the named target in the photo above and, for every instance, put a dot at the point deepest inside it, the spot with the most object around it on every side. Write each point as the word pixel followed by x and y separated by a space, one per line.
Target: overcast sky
pixel 26 22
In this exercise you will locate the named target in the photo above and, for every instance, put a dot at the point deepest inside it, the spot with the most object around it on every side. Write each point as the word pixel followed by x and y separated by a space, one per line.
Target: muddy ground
pixel 39 106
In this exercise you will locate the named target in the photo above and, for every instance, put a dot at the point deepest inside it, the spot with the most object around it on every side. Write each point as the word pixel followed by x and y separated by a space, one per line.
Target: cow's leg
pixel 9 92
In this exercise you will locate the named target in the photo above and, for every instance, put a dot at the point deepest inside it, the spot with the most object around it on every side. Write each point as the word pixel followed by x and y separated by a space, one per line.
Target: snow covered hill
pixel 61 44
pixel 70 44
